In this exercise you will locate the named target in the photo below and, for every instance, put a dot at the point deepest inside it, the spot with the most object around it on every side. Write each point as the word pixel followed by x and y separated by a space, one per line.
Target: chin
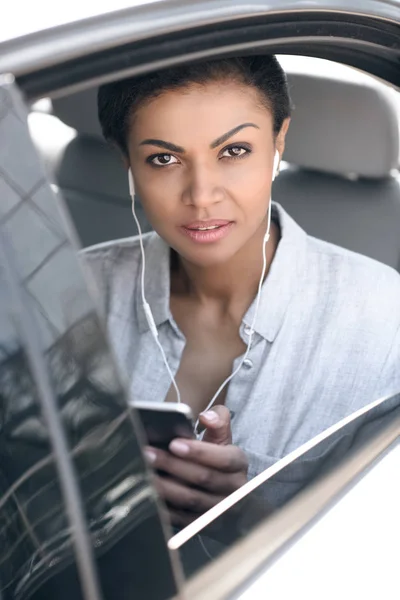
pixel 208 256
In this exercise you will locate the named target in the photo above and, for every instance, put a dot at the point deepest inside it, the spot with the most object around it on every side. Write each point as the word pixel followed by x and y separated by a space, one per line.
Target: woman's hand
pixel 196 475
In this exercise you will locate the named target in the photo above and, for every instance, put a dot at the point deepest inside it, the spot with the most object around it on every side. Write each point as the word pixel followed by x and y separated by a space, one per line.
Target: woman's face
pixel 202 160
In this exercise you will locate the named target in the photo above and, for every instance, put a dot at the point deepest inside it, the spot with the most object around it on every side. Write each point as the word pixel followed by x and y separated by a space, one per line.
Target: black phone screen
pixel 161 427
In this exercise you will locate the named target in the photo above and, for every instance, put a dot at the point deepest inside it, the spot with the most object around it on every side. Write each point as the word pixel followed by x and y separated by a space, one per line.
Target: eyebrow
pixel 162 144
pixel 174 148
pixel 230 133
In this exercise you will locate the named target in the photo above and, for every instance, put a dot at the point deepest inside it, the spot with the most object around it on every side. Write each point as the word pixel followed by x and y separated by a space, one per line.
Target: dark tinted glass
pixel 285 482
pixel 52 346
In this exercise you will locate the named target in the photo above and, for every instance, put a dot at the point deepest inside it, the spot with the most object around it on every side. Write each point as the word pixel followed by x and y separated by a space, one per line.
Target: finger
pixel 228 459
pixel 192 473
pixel 218 426
pixel 181 518
pixel 182 497
pixel 176 517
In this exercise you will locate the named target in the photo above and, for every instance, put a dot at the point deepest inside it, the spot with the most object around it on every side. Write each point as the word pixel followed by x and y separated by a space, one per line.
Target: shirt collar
pixel 276 292
pixel 156 282
pixel 283 277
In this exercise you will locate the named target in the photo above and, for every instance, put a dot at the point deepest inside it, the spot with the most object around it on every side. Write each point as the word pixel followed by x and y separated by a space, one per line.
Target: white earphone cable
pixel 202 544
pixel 251 333
pixel 146 306
pixel 149 315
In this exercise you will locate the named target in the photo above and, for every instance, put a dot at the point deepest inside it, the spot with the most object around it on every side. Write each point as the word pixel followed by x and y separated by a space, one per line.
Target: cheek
pixel 159 193
pixel 250 185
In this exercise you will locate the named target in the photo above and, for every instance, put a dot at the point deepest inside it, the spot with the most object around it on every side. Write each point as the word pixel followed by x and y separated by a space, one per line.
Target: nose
pixel 202 188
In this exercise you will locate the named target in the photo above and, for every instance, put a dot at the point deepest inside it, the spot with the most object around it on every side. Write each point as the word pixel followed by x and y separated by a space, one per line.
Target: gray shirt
pixel 326 343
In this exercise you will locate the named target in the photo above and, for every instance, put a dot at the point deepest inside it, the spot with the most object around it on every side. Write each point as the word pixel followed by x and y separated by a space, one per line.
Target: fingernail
pixel 211 416
pixel 179 448
pixel 150 455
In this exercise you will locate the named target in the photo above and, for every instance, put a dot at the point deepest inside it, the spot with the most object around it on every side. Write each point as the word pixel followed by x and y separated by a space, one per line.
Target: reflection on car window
pixel 36 537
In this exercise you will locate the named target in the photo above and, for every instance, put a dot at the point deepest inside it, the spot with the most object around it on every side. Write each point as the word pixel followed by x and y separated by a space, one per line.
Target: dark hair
pixel 117 101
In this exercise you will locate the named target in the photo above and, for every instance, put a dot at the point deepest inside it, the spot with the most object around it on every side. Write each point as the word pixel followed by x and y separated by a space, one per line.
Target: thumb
pixel 218 426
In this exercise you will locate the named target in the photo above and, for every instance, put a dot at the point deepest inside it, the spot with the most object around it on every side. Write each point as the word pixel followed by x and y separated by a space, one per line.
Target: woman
pixel 201 142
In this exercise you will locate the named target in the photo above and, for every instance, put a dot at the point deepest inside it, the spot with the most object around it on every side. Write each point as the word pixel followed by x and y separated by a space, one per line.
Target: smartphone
pixel 164 421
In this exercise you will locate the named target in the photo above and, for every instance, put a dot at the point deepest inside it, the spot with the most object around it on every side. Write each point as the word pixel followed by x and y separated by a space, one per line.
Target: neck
pixel 233 282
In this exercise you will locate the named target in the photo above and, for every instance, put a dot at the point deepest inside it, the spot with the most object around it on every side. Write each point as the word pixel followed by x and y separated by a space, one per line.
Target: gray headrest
pixel 343 127
pixel 79 111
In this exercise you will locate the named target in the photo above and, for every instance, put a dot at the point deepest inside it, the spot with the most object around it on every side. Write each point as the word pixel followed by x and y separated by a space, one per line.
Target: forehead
pixel 200 109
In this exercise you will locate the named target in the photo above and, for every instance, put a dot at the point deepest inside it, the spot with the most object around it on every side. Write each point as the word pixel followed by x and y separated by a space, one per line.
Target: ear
pixel 122 155
pixel 280 140
pixel 125 160
pixel 127 165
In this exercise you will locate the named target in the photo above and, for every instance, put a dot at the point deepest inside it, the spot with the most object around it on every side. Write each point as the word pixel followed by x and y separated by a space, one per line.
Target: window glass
pixel 52 342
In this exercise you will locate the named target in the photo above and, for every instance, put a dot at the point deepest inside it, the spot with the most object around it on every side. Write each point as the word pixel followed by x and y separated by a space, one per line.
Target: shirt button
pixel 247 330
pixel 248 363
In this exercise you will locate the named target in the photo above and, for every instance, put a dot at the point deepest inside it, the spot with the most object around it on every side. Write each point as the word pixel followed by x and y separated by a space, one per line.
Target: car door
pixel 60 319
pixel 79 517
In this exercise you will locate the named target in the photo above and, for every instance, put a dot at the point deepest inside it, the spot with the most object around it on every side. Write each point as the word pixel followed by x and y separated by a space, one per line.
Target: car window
pixel 70 448
pixel 325 354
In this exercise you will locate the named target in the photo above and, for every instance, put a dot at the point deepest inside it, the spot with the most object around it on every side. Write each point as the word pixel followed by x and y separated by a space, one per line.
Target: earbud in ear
pixel 277 160
pixel 131 186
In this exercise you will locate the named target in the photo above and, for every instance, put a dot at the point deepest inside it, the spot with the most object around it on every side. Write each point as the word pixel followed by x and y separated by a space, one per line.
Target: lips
pixel 211 223
pixel 207 231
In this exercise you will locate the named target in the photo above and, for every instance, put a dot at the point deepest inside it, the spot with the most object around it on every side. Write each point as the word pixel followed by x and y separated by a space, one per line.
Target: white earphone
pixel 147 309
pixel 277 160
pixel 131 185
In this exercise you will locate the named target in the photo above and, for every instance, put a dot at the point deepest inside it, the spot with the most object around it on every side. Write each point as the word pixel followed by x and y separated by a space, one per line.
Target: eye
pixel 235 151
pixel 162 160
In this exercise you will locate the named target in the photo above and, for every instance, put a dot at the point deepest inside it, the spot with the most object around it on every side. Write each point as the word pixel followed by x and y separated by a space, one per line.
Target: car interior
pixel 343 186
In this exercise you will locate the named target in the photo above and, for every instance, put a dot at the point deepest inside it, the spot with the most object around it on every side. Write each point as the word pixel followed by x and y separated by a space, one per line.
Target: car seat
pixel 341 182
pixel 89 173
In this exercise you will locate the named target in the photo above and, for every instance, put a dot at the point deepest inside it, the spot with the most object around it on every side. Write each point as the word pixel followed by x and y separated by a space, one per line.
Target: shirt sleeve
pixel 389 380
pixel 95 268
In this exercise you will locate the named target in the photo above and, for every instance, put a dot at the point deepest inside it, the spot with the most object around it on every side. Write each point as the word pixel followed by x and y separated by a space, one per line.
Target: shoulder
pixel 355 314
pixel 110 259
pixel 116 249
pixel 334 272
pixel 337 262
pixel 351 280
pixel 112 266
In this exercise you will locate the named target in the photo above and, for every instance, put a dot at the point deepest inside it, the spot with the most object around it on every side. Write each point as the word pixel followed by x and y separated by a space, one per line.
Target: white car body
pixel 353 550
